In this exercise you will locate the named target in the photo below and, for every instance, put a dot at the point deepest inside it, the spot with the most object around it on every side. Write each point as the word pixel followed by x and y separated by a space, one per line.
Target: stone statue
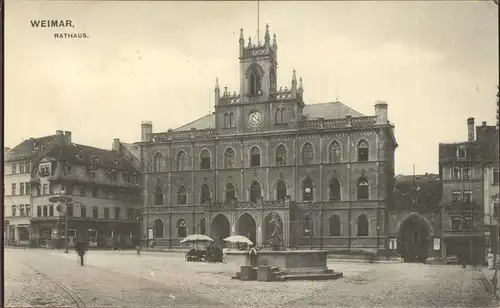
pixel 275 240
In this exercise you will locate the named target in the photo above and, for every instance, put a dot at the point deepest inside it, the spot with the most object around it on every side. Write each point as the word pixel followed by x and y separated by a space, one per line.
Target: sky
pixel 435 63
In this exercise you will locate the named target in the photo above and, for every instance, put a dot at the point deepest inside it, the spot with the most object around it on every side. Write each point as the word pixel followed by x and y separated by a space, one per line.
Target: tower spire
pixel 258 22
pixel 267 37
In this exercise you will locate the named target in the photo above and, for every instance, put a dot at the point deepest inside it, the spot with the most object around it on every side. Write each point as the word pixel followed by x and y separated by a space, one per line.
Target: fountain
pixel 279 263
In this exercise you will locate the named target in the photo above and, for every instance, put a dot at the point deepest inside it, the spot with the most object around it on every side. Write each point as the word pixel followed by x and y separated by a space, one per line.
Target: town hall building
pixel 325 172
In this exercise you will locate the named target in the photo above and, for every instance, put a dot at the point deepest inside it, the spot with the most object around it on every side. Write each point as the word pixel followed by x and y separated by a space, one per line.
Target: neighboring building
pixel 104 187
pixel 461 173
pixel 487 138
pixel 416 218
pixel 17 189
pixel 326 170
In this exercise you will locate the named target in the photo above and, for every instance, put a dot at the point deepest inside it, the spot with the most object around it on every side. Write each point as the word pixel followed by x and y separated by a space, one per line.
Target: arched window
pixel 280 191
pixel 182 195
pixel 255 191
pixel 362 225
pixel 254 83
pixel 229 158
pixel 307 190
pixel 307 153
pixel 202 226
pixel 205 193
pixel 281 156
pixel 181 228
pixel 158 195
pixel 278 116
pixel 205 159
pixel 307 226
pixel 182 161
pixel 334 152
pixel 457 174
pixel 363 150
pixel 334 225
pixel 363 189
pixel 158 228
pixel 230 193
pixel 334 189
pixel 226 120
pixel 158 162
pixel 231 119
pixel 255 157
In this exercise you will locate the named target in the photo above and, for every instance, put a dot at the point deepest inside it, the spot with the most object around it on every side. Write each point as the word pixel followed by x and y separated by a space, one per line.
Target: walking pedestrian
pixel 80 250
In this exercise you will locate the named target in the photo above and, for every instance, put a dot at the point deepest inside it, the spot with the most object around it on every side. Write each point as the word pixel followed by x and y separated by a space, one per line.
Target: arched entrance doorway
pixel 273 231
pixel 220 229
pixel 247 227
pixel 158 228
pixel 413 239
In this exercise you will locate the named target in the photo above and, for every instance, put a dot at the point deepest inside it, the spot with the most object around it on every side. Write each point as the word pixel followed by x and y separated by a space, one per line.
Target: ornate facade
pixel 104 187
pixel 326 170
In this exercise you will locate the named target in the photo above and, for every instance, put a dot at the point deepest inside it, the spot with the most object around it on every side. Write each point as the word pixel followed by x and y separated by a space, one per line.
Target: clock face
pixel 255 118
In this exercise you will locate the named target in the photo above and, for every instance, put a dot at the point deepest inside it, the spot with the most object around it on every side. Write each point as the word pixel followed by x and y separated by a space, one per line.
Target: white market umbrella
pixel 196 238
pixel 238 239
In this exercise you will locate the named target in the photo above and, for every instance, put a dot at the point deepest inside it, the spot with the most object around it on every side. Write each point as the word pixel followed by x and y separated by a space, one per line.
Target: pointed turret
pixel 294 83
pixel 242 40
pixel 216 92
pixel 242 43
pixel 275 44
pixel 267 37
pixel 249 42
pixel 301 88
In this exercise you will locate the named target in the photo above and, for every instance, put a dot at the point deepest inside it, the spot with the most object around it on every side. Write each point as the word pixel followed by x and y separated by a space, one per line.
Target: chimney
pixel 59 132
pixel 146 131
pixel 484 123
pixel 470 129
pixel 116 146
pixel 68 136
pixel 381 112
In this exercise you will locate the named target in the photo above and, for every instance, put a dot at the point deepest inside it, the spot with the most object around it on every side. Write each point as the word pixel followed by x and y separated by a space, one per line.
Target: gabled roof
pixel 332 110
pixel 28 147
pixel 425 188
pixel 83 154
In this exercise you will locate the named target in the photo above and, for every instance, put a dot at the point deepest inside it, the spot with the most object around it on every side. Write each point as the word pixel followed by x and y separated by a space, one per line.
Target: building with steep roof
pixel 325 170
pixel 104 186
pixel 17 188
pixel 466 172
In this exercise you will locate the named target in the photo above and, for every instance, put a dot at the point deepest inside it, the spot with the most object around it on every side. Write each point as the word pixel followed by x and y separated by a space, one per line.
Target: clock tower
pixel 260 105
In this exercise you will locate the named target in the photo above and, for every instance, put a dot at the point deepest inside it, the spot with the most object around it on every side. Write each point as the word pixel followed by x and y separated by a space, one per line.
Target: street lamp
pixel 67 201
pixel 308 191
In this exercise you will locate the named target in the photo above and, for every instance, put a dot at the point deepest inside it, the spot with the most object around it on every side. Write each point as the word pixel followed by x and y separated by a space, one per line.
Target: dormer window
pixel 44 169
pixel 462 153
pixel 79 156
pixel 95 160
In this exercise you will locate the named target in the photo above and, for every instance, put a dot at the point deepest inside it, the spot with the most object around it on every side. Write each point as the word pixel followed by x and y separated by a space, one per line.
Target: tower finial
pixel 294 76
pixel 267 37
pixel 249 42
pixel 258 22
pixel 301 88
pixel 216 83
pixel 242 40
pixel 275 44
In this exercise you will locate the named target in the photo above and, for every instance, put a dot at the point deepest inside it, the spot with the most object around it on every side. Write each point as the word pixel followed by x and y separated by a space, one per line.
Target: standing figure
pixel 80 249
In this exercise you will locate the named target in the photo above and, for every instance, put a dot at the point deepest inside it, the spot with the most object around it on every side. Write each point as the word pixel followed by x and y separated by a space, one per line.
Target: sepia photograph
pixel 251 154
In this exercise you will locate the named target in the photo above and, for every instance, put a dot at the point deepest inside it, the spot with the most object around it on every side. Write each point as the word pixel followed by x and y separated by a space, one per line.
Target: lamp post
pixel 308 191
pixel 66 201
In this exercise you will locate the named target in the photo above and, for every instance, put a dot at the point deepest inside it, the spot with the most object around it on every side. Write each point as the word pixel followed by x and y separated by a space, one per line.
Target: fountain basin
pixel 299 264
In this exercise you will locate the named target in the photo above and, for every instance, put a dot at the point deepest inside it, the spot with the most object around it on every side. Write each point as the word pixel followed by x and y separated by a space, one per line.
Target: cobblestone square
pixel 49 278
